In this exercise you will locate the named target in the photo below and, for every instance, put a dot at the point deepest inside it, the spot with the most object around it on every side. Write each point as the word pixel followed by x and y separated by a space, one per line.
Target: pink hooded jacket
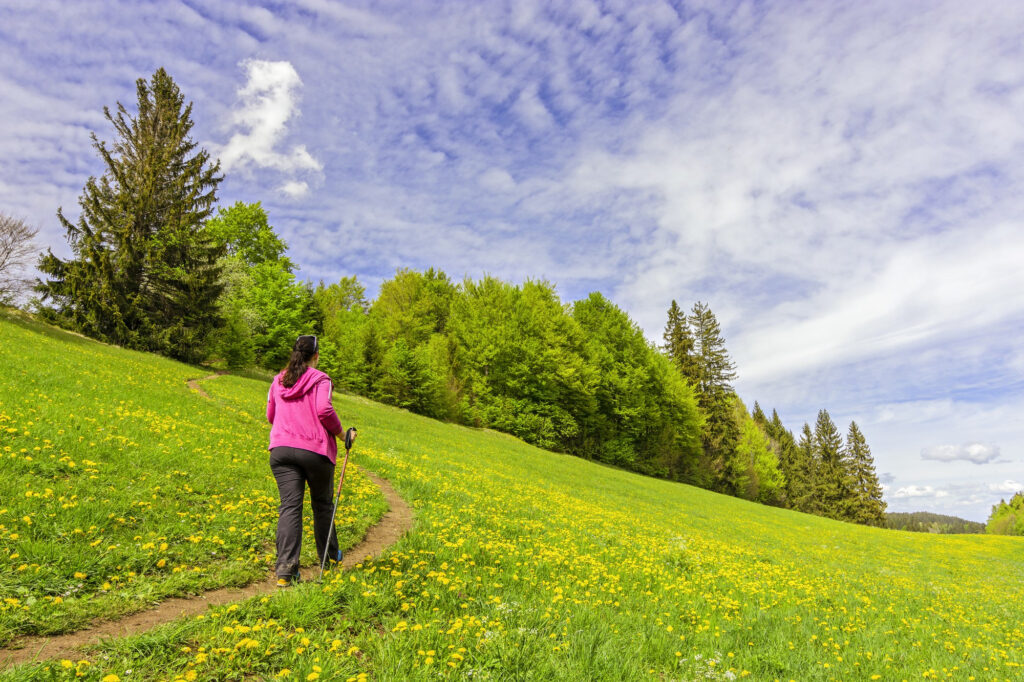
pixel 303 416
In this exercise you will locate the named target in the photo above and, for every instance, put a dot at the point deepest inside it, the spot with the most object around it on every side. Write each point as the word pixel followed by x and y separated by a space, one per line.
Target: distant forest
pixel 927 522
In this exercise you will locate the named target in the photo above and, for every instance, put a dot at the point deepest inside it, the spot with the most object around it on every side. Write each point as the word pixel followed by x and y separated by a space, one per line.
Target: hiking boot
pixel 287 581
pixel 334 561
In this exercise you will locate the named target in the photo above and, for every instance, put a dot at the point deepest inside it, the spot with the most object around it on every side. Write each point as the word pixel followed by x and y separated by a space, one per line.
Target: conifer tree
pixel 866 505
pixel 679 343
pixel 715 372
pixel 758 415
pixel 144 271
pixel 788 454
pixel 832 489
pixel 807 500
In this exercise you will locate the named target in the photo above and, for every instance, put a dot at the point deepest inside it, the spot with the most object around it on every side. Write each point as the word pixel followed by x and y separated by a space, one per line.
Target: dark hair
pixel 302 352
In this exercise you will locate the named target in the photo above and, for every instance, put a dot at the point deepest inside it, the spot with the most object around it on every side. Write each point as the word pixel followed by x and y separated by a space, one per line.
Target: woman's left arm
pixel 325 410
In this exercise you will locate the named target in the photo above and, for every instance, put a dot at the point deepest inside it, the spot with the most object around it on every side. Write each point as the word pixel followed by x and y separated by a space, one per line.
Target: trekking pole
pixel 350 436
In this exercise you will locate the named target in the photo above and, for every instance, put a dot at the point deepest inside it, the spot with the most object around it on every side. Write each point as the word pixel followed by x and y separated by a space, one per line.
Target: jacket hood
pixel 307 380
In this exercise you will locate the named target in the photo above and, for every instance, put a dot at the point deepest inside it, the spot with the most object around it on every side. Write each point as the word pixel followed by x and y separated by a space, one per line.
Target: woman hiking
pixel 303 450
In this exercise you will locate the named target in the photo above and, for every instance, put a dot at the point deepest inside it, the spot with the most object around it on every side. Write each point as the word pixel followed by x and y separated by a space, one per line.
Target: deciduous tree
pixel 16 249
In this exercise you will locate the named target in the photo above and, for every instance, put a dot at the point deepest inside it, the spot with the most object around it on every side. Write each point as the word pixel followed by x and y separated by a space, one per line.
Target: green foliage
pixel 245 232
pixel 144 271
pixel 343 308
pixel 680 345
pixel 715 370
pixel 865 504
pixel 710 371
pixel 645 416
pixel 794 467
pixel 752 467
pixel 234 341
pixel 833 488
pixel 263 305
pixel 805 499
pixel 276 308
pixel 519 359
pixel 927 522
pixel 414 305
pixel 404 379
pixel 1007 519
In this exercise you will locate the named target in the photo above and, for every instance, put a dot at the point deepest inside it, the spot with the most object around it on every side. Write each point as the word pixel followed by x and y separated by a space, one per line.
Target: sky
pixel 839 181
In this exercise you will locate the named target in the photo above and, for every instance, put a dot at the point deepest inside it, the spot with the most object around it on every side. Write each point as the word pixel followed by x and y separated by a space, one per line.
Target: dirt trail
pixel 194 383
pixel 379 537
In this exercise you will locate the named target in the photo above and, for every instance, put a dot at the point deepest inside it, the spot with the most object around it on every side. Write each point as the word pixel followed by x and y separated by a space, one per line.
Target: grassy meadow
pixel 522 564
pixel 120 486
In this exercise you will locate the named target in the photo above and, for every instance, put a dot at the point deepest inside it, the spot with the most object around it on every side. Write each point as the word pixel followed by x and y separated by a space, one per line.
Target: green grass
pixel 120 486
pixel 529 565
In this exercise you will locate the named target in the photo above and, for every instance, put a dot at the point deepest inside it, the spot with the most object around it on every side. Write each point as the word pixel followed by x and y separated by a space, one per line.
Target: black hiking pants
pixel 293 468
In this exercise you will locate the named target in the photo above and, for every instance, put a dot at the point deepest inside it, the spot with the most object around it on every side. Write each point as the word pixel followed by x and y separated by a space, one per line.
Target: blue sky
pixel 840 181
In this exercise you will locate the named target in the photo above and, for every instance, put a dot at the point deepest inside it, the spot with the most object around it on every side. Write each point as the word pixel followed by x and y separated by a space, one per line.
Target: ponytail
pixel 302 352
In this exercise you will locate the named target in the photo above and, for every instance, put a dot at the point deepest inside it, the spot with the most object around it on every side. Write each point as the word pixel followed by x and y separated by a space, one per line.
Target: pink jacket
pixel 303 416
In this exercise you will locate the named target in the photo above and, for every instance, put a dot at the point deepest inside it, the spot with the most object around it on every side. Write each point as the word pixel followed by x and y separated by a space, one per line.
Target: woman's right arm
pixel 270 404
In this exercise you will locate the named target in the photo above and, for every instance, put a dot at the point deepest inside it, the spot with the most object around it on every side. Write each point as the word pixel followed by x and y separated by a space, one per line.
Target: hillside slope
pixel 523 564
pixel 120 486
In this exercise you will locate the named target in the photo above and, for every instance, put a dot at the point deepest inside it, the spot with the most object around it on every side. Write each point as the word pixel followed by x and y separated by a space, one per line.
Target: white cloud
pixel 497 180
pixel 979 453
pixel 295 189
pixel 919 491
pixel 268 101
pixel 1008 486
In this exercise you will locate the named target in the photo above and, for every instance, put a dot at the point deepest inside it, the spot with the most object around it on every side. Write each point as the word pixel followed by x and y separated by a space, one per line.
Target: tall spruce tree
pixel 807 499
pixel 144 271
pixel 866 505
pixel 679 343
pixel 715 372
pixel 832 489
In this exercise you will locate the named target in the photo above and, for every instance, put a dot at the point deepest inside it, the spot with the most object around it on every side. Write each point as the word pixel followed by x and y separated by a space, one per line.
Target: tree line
pixel 157 266
pixel 928 522
pixel 756 457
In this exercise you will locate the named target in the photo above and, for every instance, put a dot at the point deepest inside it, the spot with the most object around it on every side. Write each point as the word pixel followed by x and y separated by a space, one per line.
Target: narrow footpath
pixel 386 532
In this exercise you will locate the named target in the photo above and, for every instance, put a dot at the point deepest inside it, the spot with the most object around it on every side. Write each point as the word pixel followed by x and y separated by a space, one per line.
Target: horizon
pixel 838 183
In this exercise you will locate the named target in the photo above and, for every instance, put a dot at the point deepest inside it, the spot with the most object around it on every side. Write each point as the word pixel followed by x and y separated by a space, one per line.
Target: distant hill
pixel 927 522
